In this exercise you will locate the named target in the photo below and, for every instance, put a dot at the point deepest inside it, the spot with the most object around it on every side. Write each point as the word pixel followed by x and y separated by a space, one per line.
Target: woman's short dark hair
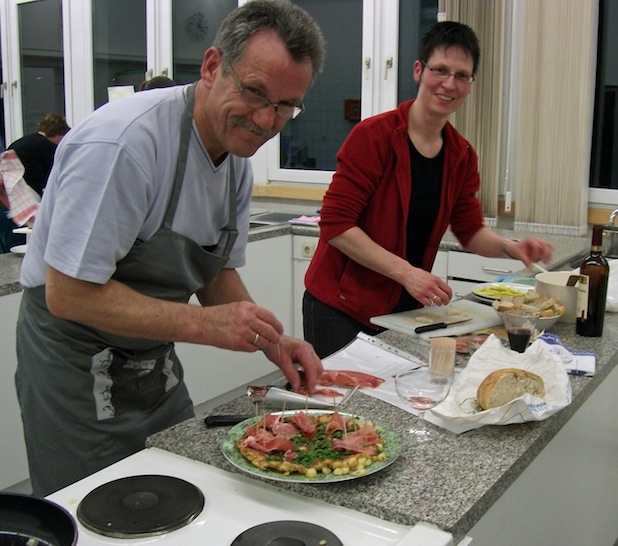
pixel 297 29
pixel 450 34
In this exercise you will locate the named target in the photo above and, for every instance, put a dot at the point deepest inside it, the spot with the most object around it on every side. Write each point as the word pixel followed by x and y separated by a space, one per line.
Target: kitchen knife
pixel 225 420
pixel 438 325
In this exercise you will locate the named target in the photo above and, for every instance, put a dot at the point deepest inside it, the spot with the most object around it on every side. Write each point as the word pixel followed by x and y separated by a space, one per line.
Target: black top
pixel 424 205
pixel 36 152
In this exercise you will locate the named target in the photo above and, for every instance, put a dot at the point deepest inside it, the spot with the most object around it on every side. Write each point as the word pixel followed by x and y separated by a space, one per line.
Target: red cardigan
pixel 371 190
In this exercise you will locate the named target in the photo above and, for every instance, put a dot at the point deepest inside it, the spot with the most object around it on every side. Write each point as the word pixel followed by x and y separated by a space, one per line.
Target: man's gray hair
pixel 297 29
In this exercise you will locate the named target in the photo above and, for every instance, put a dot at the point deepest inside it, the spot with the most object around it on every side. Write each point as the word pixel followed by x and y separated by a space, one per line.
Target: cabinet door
pixel 211 372
pixel 472 267
pixel 440 265
pixel 13 463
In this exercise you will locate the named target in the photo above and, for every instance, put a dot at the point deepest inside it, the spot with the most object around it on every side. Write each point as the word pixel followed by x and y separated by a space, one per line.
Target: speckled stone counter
pixel 564 248
pixel 450 482
pixel 10 266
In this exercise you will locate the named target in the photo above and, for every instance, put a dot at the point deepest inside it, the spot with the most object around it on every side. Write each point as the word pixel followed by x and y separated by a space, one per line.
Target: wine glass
pixel 423 389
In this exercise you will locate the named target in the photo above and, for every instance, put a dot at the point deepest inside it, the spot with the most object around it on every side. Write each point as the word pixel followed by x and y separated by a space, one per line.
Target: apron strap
pixel 186 124
pixel 230 231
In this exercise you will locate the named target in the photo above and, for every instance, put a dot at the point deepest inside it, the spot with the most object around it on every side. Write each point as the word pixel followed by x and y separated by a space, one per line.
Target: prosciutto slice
pixel 266 442
pixel 336 422
pixel 304 423
pixel 363 441
pixel 349 378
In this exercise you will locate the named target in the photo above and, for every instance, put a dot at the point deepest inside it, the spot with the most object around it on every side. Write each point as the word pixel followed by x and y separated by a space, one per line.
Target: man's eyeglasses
pixel 443 73
pixel 254 99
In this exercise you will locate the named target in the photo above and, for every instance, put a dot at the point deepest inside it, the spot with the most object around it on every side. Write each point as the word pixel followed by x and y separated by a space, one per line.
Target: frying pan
pixel 23 518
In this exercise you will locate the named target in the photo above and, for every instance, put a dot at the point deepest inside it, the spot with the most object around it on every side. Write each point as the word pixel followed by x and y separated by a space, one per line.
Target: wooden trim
pixel 303 193
pixel 599 216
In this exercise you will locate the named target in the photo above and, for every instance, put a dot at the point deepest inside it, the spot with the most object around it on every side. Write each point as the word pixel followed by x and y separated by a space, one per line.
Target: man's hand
pixel 291 352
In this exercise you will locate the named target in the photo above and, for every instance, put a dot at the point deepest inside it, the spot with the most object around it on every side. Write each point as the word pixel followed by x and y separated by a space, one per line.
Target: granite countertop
pixel 451 481
pixel 564 248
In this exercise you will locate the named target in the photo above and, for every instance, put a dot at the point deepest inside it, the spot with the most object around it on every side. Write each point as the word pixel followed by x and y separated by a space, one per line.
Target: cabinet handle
pixel 496 270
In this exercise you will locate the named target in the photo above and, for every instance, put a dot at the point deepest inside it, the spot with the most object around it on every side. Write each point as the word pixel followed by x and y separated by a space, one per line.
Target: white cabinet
pixel 303 250
pixel 13 462
pixel 440 265
pixel 211 372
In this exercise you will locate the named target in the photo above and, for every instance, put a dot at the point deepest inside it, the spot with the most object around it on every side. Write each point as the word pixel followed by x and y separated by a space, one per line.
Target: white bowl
pixel 544 323
pixel 554 283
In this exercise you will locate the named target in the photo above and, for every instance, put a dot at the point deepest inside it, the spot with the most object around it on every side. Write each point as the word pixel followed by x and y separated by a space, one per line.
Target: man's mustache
pixel 246 124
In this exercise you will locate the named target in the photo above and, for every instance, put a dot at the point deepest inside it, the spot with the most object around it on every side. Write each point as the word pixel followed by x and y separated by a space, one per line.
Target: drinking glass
pixel 520 326
pixel 423 389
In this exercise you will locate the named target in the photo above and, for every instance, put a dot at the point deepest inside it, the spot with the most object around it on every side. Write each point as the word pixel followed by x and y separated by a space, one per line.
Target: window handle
pixel 389 65
pixel 367 67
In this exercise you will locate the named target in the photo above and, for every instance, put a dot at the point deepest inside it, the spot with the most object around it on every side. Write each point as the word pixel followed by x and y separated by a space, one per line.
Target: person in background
pixel 403 177
pixel 156 82
pixel 148 204
pixel 8 239
pixel 36 150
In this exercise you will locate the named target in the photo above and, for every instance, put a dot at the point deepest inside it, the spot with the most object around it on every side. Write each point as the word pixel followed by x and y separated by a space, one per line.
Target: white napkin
pixel 23 200
pixel 461 409
pixel 575 362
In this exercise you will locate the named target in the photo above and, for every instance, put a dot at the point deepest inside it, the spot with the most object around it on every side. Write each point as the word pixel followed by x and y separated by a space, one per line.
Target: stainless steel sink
pixel 571 263
pixel 271 219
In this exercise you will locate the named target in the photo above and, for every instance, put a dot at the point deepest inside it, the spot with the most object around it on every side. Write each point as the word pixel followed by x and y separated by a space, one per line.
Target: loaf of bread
pixel 502 386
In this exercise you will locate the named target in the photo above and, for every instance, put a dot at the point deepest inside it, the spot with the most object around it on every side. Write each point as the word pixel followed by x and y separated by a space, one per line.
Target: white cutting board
pixel 483 316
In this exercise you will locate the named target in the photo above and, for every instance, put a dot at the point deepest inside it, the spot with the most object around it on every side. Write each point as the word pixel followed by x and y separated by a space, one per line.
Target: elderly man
pixel 148 204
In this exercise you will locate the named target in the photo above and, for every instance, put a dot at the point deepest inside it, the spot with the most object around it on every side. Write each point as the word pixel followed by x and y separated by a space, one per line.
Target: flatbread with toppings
pixel 312 444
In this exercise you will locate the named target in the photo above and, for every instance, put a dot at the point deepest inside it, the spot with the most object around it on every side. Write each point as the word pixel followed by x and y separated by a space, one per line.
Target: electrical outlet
pixel 307 249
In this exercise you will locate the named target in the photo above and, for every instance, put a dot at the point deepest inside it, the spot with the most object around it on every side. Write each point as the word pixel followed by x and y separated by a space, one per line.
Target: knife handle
pixel 430 327
pixel 225 420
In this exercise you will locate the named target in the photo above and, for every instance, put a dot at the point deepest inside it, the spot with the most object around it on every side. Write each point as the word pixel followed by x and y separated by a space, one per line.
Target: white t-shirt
pixel 111 183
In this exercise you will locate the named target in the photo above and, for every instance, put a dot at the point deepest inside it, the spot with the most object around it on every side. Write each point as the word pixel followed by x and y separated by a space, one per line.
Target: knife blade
pixel 439 325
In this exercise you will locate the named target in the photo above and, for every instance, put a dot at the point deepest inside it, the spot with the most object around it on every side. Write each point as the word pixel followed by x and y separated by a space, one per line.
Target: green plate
pixel 392 448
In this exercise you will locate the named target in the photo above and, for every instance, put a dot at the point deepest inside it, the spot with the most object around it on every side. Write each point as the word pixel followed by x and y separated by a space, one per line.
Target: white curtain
pixel 534 98
pixel 555 115
pixel 479 119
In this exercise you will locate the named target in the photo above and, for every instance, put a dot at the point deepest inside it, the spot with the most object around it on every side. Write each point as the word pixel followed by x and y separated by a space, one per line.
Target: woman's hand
pixel 425 287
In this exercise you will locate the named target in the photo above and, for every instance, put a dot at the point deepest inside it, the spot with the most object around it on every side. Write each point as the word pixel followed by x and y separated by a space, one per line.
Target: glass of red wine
pixel 423 389
pixel 520 325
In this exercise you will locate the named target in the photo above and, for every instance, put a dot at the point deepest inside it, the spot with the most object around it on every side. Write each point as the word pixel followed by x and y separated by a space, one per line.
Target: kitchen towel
pixel 23 200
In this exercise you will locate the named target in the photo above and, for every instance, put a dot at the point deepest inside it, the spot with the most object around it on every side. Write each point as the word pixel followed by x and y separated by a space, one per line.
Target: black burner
pixel 286 533
pixel 140 506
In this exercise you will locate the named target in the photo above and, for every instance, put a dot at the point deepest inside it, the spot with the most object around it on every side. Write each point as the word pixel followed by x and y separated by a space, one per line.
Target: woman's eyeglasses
pixel 443 73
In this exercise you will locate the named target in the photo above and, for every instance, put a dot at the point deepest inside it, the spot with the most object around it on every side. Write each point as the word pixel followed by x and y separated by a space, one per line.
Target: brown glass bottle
pixel 592 289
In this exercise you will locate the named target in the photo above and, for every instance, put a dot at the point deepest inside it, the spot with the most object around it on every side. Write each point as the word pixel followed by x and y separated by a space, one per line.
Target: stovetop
pixel 235 503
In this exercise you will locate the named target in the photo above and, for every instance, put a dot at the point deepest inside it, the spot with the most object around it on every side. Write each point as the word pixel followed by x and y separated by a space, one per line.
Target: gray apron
pixel 89 398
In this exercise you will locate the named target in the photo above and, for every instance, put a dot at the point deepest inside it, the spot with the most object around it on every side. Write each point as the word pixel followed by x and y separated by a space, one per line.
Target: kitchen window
pixel 366 73
pixel 33 63
pixel 604 172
